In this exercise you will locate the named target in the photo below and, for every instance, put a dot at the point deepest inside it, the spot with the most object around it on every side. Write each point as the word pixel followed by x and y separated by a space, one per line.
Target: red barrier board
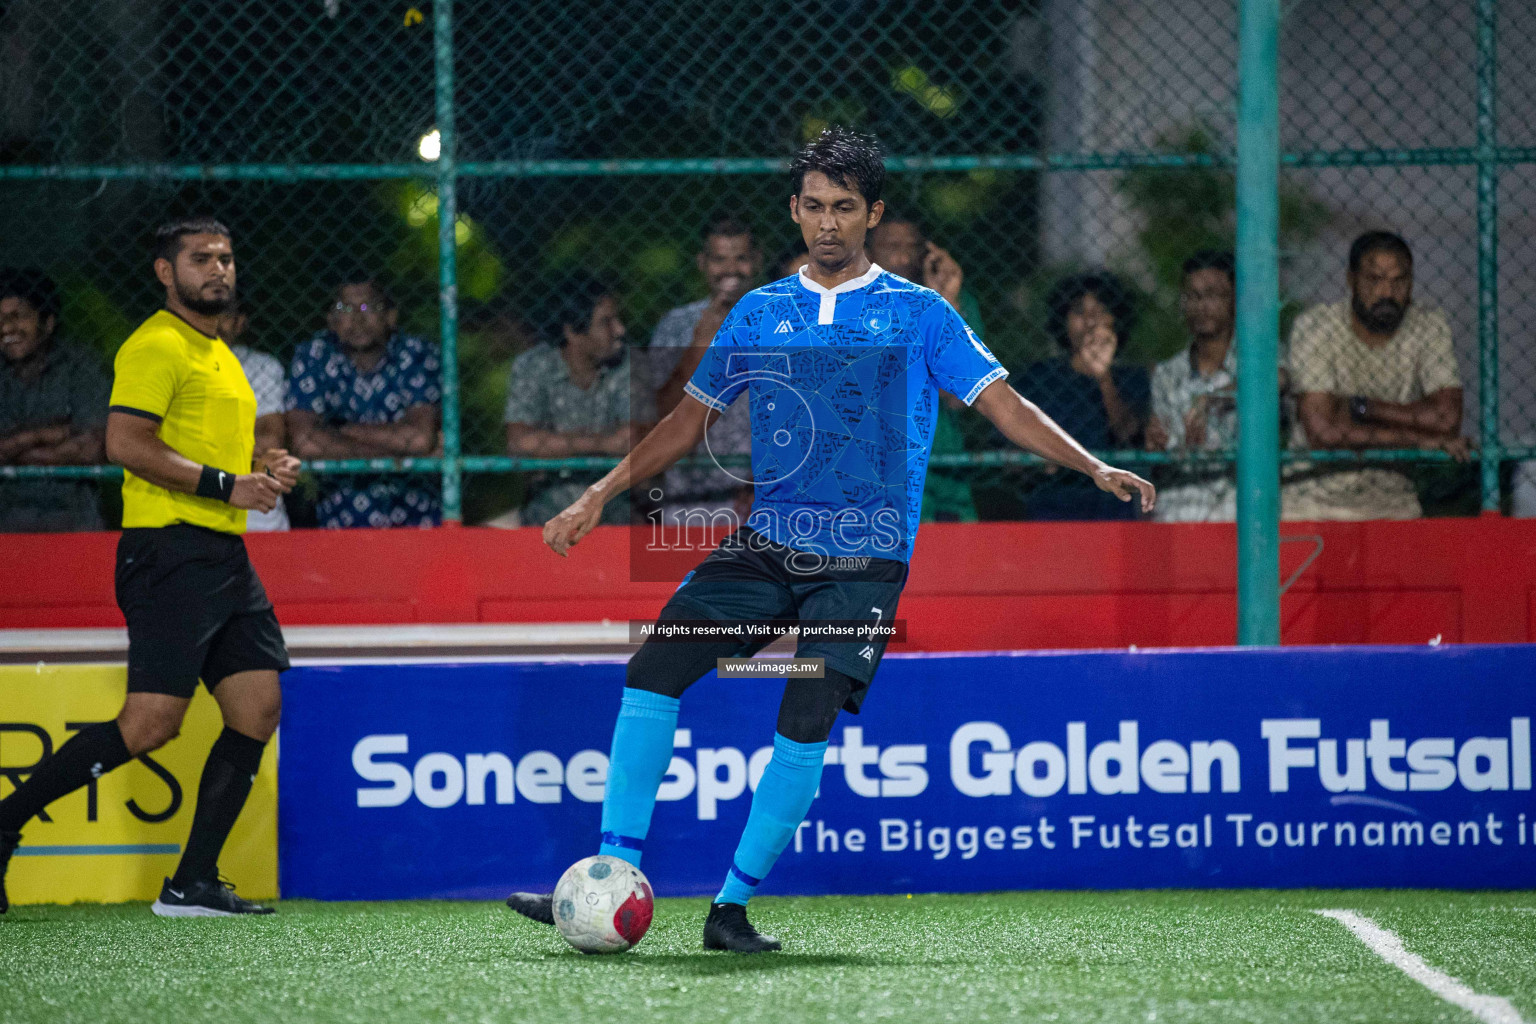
pixel 987 586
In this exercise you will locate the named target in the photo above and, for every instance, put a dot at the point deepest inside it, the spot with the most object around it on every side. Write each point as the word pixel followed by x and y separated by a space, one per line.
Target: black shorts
pixel 750 578
pixel 195 610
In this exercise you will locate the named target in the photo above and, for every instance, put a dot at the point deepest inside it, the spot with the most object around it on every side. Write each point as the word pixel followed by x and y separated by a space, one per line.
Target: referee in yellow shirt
pixel 182 425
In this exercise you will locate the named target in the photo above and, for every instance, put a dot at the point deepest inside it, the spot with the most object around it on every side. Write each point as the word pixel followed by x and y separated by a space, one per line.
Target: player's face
pixel 22 329
pixel 1381 290
pixel 898 248
pixel 833 221
pixel 603 340
pixel 730 264
pixel 360 318
pixel 203 276
pixel 1209 304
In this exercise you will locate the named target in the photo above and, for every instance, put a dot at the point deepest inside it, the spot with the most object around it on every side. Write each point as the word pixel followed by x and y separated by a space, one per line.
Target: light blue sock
pixel 642 749
pixel 782 799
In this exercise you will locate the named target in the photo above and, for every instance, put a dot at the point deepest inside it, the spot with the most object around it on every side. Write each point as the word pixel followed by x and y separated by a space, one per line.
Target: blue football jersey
pixel 844 389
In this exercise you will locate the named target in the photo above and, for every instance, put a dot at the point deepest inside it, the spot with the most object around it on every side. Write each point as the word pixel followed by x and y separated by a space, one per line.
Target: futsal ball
pixel 603 905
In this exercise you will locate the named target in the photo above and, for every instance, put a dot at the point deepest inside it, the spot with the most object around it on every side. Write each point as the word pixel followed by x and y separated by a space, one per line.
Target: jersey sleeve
pixel 720 379
pixel 957 360
pixel 146 375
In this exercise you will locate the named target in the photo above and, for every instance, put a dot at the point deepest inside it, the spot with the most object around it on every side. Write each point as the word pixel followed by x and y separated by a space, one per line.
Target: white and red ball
pixel 603 905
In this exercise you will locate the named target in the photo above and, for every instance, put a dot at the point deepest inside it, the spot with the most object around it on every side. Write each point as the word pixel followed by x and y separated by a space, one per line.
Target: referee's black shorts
pixel 750 578
pixel 195 610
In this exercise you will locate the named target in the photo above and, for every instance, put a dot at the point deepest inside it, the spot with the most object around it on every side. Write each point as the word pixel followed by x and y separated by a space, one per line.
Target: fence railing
pixel 506 209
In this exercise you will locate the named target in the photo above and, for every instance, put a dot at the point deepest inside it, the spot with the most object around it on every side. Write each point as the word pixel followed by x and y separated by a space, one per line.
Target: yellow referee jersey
pixel 193 386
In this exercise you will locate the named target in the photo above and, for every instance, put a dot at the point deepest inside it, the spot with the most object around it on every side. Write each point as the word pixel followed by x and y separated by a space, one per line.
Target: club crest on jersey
pixel 879 320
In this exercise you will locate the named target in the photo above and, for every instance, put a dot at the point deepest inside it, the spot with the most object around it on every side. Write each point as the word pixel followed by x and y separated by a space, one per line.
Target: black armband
pixel 216 484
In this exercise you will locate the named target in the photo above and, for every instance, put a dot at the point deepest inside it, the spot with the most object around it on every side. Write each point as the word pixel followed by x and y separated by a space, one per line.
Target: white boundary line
pixel 1385 944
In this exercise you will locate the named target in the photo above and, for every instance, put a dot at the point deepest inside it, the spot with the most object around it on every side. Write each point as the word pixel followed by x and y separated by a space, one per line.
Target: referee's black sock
pixel 227 778
pixel 88 754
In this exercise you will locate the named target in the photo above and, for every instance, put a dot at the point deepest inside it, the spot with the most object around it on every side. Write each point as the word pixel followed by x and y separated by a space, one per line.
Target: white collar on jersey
pixel 829 295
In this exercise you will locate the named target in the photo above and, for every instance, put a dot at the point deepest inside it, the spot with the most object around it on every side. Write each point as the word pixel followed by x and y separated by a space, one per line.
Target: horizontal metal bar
pixel 1454 156
pixel 496 464
pixel 321 467
pixel 507 464
pixel 281 173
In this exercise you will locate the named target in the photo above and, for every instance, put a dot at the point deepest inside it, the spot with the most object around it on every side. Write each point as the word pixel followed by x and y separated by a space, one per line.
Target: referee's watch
pixel 1358 406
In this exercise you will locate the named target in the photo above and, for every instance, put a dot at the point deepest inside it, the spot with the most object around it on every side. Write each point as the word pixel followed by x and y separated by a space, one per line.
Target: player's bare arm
pixel 1022 422
pixel 675 436
pixel 134 444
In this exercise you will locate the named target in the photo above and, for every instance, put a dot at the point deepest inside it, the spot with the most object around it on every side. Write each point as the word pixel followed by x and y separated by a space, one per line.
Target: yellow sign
pixel 118 838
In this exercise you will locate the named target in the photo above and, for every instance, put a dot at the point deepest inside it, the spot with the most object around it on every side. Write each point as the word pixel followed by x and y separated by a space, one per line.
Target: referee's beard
pixel 198 301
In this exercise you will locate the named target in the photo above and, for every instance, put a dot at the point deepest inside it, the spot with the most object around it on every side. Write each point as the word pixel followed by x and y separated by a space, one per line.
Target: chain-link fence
pixel 1070 155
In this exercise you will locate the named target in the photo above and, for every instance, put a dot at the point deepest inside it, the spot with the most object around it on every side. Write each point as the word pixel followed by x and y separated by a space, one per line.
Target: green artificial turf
pixel 1122 956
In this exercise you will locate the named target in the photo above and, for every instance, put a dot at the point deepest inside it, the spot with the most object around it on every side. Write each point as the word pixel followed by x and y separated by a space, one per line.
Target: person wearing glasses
pixel 362 389
pixel 1194 407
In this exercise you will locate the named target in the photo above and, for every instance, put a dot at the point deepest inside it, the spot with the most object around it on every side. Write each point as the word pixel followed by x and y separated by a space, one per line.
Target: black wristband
pixel 216 484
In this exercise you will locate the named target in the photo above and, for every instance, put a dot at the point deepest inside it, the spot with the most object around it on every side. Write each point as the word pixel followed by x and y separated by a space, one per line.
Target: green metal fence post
pixel 1258 322
pixel 447 258
pixel 1488 251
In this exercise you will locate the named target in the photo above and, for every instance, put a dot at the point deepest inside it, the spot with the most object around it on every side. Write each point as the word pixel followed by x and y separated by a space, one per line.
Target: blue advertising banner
pixel 1290 767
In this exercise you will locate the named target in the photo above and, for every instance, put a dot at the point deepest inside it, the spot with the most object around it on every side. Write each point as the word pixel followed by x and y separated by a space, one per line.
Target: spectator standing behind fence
pixel 900 245
pixel 1372 371
pixel 1101 403
pixel 270 385
pixel 1194 406
pixel 731 263
pixel 362 389
pixel 572 398
pixel 53 409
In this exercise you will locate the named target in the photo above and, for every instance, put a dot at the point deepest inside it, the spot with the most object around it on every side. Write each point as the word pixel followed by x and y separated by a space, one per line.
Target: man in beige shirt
pixel 1375 371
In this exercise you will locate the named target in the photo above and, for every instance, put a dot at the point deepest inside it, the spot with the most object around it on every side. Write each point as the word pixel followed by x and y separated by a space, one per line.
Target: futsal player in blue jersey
pixel 842 364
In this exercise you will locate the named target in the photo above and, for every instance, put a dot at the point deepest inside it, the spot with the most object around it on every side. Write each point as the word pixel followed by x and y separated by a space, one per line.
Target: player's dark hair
pixel 33 287
pixel 574 302
pixel 363 276
pixel 1211 259
pixel 848 158
pixel 1070 291
pixel 726 225
pixel 1378 241
pixel 168 236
